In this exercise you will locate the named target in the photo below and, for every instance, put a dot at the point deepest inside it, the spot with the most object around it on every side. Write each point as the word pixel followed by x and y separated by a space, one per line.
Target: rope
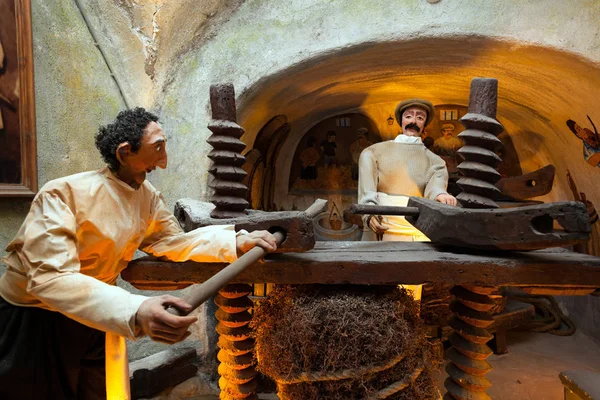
pixel 552 316
pixel 398 386
pixel 336 376
pixel 349 374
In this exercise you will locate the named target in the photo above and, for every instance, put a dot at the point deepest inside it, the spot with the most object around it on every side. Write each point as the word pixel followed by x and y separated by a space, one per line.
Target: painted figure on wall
pixel 9 93
pixel 9 85
pixel 591 141
pixel 326 158
pixel 361 143
pixel 328 147
pixel 447 146
pixel 309 158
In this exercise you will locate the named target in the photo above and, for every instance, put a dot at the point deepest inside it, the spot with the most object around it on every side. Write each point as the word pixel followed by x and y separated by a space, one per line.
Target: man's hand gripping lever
pixel 258 248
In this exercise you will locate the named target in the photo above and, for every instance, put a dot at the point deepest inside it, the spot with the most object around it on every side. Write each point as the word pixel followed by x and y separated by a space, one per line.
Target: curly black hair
pixel 127 127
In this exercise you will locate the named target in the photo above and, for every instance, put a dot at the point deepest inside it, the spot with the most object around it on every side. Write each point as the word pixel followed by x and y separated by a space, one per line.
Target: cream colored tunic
pixel 81 232
pixel 390 172
pixel 399 229
pixel 402 167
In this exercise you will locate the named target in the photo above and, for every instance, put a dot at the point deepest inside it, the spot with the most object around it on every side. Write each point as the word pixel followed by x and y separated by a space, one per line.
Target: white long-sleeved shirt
pixel 81 232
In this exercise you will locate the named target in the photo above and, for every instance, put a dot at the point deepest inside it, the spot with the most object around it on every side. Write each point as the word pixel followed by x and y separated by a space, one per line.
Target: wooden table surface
pixel 384 263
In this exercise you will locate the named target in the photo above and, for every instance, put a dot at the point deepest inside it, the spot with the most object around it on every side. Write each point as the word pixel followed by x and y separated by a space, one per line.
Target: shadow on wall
pixel 530 143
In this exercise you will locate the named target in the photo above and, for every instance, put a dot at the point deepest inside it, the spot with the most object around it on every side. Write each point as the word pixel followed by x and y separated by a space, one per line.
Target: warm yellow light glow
pixel 414 290
pixel 117 368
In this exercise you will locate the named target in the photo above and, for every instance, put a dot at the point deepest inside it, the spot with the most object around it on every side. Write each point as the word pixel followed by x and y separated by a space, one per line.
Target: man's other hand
pixel 446 199
pixel 161 326
pixel 264 239
pixel 377 225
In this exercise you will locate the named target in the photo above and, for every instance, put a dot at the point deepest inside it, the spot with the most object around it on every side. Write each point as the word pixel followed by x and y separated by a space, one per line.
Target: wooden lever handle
pixel 210 287
pixel 383 210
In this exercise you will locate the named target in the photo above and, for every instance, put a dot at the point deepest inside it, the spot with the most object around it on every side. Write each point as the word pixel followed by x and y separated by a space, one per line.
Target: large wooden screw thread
pixel 481 144
pixel 237 372
pixel 467 364
pixel 236 354
pixel 467 355
pixel 230 193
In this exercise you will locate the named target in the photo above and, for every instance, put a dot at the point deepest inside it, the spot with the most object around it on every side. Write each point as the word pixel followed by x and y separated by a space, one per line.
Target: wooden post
pixel 468 366
pixel 238 376
pixel 230 193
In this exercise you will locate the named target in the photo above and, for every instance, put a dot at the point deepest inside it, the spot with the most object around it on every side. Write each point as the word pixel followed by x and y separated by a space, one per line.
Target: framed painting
pixel 18 153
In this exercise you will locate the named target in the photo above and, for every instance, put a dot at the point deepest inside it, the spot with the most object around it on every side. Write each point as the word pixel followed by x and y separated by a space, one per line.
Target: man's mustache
pixel 414 126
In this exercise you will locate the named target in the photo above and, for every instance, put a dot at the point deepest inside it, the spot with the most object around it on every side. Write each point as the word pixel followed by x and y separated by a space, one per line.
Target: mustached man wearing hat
pixel 392 171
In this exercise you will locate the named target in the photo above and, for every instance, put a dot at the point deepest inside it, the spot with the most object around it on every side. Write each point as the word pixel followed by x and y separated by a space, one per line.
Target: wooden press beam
pixel 384 263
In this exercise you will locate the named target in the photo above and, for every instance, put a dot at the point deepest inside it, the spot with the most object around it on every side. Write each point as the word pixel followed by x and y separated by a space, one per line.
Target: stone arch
pixel 260 162
pixel 540 88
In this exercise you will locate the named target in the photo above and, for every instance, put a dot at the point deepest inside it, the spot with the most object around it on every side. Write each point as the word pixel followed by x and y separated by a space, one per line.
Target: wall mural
pixel 440 136
pixel 447 147
pixel 591 141
pixel 326 159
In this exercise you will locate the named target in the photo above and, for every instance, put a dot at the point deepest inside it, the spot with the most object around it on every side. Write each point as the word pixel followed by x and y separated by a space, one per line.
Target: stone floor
pixel 530 369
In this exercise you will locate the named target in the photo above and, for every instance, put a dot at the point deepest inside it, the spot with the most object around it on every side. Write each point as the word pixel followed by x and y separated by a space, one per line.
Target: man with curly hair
pixel 58 295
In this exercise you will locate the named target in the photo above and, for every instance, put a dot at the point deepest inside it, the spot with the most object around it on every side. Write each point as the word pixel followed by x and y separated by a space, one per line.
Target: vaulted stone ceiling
pixel 539 90
pixel 142 39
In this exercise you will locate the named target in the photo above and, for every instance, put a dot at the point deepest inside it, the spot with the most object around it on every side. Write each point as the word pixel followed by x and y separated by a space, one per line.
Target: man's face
pixel 151 154
pixel 331 138
pixel 447 132
pixel 413 121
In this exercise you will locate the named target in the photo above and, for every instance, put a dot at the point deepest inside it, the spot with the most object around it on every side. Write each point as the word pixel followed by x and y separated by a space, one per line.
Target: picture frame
pixel 18 148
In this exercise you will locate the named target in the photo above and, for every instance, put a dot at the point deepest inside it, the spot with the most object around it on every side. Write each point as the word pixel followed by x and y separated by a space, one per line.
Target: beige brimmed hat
pixel 414 102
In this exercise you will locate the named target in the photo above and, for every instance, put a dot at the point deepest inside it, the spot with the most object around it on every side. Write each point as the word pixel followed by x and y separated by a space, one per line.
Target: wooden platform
pixel 515 314
pixel 386 263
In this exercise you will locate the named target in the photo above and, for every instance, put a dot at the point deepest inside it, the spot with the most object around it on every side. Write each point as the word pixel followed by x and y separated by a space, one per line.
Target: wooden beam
pixel 151 375
pixel 533 184
pixel 386 263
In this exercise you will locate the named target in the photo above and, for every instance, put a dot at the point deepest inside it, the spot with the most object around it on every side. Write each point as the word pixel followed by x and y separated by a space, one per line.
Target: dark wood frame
pixel 29 182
